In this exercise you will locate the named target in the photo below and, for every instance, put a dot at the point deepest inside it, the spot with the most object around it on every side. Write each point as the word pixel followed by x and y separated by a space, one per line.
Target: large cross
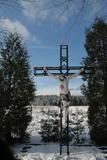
pixel 66 70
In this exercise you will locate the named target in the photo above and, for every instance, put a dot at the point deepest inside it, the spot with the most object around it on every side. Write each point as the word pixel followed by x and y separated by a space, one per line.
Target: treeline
pixel 54 100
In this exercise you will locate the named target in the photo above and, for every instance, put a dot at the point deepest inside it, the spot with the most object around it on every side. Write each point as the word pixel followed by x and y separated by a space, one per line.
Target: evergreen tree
pixel 16 88
pixel 50 126
pixel 96 89
pixel 77 126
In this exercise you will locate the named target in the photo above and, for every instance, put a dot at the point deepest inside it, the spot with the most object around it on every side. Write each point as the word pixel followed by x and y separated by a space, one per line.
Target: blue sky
pixel 44 27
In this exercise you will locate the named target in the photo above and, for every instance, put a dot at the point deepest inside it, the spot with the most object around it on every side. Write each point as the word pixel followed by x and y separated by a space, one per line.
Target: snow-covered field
pixel 38 150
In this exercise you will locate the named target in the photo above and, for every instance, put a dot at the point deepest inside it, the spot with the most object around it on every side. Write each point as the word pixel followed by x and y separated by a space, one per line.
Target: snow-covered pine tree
pixel 50 126
pixel 16 88
pixel 77 128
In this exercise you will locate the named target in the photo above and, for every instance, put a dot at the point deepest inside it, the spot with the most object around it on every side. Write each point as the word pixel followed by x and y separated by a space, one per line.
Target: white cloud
pixel 39 11
pixel 17 27
pixel 34 10
pixel 14 26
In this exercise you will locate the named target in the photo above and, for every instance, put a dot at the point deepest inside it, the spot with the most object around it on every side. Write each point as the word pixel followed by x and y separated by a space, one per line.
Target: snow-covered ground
pixel 38 150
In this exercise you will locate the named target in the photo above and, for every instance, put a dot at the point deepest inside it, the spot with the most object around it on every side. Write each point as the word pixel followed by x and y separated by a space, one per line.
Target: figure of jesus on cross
pixel 64 88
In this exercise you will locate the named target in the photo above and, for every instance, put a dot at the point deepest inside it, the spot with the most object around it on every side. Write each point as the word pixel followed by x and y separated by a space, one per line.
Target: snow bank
pixel 76 153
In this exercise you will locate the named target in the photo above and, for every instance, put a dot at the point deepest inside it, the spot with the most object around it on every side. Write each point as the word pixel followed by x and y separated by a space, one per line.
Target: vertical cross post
pixel 61 131
pixel 64 71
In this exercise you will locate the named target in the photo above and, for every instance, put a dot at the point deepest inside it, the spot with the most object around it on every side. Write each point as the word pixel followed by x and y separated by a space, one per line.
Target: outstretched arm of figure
pixel 76 74
pixel 50 74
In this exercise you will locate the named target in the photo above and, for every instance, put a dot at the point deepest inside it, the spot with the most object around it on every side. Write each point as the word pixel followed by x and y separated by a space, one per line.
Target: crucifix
pixel 63 73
